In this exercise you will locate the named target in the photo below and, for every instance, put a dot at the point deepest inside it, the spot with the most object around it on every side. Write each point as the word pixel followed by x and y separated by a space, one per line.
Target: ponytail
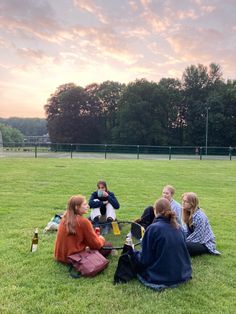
pixel 162 208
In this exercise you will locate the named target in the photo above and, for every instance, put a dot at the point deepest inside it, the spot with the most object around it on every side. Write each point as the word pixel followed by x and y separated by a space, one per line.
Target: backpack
pixel 125 270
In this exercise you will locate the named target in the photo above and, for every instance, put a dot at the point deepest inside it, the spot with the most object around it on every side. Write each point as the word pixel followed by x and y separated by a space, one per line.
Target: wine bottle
pixel 35 241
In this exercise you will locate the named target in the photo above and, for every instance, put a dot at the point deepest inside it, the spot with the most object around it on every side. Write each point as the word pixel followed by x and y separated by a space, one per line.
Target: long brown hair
pixel 71 212
pixel 194 205
pixel 103 183
pixel 162 208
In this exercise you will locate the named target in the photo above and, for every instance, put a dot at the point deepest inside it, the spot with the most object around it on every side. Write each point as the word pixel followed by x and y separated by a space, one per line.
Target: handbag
pixel 88 263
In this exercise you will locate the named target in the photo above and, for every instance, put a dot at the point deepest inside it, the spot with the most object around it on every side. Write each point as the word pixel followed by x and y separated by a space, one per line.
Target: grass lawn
pixel 33 190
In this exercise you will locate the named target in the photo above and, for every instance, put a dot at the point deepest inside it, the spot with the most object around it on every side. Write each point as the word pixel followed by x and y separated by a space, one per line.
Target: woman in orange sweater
pixel 75 232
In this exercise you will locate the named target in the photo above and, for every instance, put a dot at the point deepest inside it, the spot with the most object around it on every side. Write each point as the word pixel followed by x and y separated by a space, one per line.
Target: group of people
pixel 190 217
pixel 173 233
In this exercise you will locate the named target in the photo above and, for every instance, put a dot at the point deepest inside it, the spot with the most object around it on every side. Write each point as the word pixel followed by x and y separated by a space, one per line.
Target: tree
pixel 199 83
pixel 142 117
pixel 107 96
pixel 229 123
pixel 172 112
pixel 27 126
pixel 72 116
pixel 11 135
pixel 170 90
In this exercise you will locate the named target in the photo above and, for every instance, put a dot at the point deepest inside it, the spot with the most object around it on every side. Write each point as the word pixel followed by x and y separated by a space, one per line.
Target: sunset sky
pixel 46 43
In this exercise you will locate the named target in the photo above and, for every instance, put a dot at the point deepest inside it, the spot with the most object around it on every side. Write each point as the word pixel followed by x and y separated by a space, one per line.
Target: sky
pixel 47 43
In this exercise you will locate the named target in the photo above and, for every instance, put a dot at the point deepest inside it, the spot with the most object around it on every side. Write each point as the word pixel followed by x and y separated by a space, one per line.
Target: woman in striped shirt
pixel 200 238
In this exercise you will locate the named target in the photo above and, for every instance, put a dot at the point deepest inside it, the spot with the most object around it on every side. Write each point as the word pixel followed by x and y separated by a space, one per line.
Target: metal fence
pixel 115 151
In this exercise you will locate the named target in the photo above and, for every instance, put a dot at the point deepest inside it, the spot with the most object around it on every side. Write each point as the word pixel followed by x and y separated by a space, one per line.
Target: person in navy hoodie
pixel 164 260
pixel 103 204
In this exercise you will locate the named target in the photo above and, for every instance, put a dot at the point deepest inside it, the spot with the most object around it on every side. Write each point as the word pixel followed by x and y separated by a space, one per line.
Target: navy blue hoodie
pixel 99 201
pixel 164 258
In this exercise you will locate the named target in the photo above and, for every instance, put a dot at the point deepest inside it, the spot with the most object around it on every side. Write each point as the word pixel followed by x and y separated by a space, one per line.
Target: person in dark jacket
pixel 164 260
pixel 103 204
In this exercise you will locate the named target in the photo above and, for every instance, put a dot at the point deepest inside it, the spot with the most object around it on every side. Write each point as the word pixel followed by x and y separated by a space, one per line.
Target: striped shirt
pixel 201 232
pixel 176 208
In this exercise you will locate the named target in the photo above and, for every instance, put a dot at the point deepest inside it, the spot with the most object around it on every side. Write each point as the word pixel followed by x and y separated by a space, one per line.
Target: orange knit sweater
pixel 67 244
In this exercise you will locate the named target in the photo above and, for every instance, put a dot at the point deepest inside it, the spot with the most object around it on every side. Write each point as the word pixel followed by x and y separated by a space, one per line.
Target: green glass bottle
pixel 35 241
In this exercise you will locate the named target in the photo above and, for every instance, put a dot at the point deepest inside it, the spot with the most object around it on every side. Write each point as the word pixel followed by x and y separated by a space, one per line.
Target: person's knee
pixel 96 219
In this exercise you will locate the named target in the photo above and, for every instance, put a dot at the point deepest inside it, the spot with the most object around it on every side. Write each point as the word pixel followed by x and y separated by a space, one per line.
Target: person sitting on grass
pixel 199 235
pixel 164 260
pixel 103 204
pixel 75 232
pixel 148 214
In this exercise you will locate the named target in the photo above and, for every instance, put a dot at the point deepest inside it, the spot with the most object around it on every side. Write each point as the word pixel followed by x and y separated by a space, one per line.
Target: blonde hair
pixel 192 198
pixel 162 208
pixel 71 212
pixel 170 188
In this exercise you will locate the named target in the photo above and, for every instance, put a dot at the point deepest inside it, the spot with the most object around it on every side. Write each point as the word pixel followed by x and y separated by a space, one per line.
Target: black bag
pixel 125 270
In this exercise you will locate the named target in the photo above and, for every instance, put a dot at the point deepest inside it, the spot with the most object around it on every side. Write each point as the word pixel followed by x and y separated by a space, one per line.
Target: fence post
pixel 137 151
pixel 105 151
pixel 71 151
pixel 35 151
pixel 169 152
pixel 200 153
pixel 230 153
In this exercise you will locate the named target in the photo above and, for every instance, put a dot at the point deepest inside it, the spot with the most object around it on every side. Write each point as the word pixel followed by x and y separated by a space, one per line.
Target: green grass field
pixel 33 190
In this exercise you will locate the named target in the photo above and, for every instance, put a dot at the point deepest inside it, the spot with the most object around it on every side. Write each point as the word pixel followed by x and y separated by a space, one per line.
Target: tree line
pixel 15 129
pixel 170 112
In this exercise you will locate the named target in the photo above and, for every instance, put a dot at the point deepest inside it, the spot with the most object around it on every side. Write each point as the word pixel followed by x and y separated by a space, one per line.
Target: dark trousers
pixel 196 248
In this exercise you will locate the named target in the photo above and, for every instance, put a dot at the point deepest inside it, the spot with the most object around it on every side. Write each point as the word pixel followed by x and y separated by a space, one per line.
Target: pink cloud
pixel 44 29
pixel 31 19
pixel 205 46
pixel 136 32
pixel 89 6
pixel 157 23
pixel 35 54
pixel 196 44
pixel 4 43
pixel 146 3
pixel 189 14
pixel 134 5
pixel 208 8
pixel 107 43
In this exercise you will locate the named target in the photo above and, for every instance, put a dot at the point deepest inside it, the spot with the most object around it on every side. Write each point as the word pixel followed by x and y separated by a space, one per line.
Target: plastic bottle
pixel 128 240
pixel 128 244
pixel 57 219
pixel 35 241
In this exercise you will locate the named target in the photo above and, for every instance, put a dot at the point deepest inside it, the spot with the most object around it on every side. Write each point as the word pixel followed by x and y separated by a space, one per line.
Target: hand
pixel 105 194
pixel 105 202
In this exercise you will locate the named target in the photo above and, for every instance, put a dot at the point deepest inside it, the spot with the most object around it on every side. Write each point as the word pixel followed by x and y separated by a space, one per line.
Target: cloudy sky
pixel 46 43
